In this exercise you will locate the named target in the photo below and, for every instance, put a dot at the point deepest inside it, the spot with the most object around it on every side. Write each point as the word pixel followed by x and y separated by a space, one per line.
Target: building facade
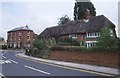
pixel 85 30
pixel 21 37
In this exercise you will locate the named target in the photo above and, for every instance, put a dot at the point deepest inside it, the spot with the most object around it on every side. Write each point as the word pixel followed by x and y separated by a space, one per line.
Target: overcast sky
pixel 39 14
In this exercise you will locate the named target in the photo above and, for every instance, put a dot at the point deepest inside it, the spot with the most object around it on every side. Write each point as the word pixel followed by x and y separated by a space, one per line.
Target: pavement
pixel 94 68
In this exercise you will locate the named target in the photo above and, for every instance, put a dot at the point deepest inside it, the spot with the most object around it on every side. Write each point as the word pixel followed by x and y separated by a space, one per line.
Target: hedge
pixel 83 48
pixel 3 46
pixel 69 48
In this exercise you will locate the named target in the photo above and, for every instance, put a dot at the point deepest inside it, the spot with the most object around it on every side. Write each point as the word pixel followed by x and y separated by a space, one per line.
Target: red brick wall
pixel 23 39
pixel 109 59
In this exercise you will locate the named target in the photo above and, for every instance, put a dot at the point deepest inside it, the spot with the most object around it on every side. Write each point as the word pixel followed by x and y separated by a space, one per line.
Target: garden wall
pixel 109 59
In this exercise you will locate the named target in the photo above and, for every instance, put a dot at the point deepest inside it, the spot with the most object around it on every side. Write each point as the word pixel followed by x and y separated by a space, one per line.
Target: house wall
pixel 109 59
pixel 88 40
pixel 23 38
pixel 80 37
pixel 64 36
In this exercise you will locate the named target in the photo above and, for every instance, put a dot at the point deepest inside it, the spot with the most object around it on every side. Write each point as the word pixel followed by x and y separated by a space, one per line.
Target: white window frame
pixel 19 33
pixel 10 39
pixel 10 45
pixel 111 32
pixel 73 36
pixel 92 35
pixel 88 43
pixel 29 32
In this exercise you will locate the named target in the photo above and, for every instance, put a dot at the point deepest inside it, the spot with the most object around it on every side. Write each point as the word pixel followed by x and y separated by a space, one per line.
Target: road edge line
pixel 68 67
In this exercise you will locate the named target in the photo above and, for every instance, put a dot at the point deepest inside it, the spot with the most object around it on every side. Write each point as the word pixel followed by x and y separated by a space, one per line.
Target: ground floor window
pixel 90 43
pixel 10 45
pixel 15 45
pixel 19 45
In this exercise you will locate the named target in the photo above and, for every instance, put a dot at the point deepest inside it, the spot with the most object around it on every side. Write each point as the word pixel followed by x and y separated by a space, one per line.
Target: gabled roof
pixel 94 24
pixel 21 28
pixel 51 32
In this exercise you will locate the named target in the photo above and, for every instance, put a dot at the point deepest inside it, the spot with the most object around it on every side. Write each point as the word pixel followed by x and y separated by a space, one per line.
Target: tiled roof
pixel 21 28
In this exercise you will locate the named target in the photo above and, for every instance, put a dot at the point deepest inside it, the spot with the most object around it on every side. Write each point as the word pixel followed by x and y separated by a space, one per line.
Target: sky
pixel 40 14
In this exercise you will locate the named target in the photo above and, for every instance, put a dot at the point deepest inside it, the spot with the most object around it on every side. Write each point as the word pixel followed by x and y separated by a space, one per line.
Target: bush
pixel 69 48
pixel 4 46
pixel 39 44
pixel 68 42
pixel 28 51
pixel 82 48
pixel 0 46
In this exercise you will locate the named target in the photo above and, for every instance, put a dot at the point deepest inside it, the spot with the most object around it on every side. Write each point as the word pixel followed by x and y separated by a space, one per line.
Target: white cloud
pixel 39 15
pixel 37 0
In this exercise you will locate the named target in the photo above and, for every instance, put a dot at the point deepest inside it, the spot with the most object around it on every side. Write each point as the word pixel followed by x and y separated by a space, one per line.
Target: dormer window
pixel 86 20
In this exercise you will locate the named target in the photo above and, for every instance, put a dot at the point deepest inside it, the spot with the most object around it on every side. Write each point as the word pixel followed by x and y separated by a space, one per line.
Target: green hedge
pixel 38 53
pixel 0 46
pixel 83 48
pixel 69 48
pixel 68 42
pixel 3 46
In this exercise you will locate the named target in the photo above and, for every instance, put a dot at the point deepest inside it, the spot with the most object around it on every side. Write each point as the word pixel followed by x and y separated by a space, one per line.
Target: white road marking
pixel 36 69
pixel 1 75
pixel 4 53
pixel 7 61
pixel 2 62
pixel 4 57
pixel 13 61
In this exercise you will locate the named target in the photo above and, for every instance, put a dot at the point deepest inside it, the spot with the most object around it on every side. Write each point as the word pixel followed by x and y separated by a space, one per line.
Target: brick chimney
pixel 87 14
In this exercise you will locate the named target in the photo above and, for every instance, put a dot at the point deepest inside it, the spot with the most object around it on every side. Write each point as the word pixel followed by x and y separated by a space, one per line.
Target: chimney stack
pixel 87 14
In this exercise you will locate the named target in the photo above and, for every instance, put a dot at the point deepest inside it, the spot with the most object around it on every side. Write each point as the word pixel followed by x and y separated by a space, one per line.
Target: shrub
pixel 4 46
pixel 0 46
pixel 39 44
pixel 40 48
pixel 69 48
pixel 68 42
pixel 28 51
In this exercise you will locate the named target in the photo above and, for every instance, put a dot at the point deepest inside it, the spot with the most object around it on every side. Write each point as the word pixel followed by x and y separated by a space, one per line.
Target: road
pixel 15 66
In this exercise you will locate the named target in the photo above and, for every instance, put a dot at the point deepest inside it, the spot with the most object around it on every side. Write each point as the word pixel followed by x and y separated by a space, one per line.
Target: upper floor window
pixel 28 32
pixel 93 35
pixel 10 39
pixel 19 33
pixel 28 38
pixel 11 33
pixel 15 34
pixel 72 36
pixel 19 37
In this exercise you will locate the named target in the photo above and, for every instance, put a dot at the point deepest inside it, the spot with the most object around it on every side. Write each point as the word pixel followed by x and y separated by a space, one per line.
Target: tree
pixel 39 44
pixel 81 8
pixel 106 40
pixel 1 39
pixel 63 20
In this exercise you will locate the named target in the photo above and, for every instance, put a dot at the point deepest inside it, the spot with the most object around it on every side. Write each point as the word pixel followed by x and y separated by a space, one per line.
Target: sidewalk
pixel 99 69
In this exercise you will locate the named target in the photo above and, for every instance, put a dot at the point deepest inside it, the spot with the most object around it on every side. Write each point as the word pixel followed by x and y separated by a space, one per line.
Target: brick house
pixel 21 37
pixel 86 30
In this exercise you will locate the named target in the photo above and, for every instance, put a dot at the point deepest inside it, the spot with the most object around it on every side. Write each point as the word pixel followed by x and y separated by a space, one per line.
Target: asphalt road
pixel 15 66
